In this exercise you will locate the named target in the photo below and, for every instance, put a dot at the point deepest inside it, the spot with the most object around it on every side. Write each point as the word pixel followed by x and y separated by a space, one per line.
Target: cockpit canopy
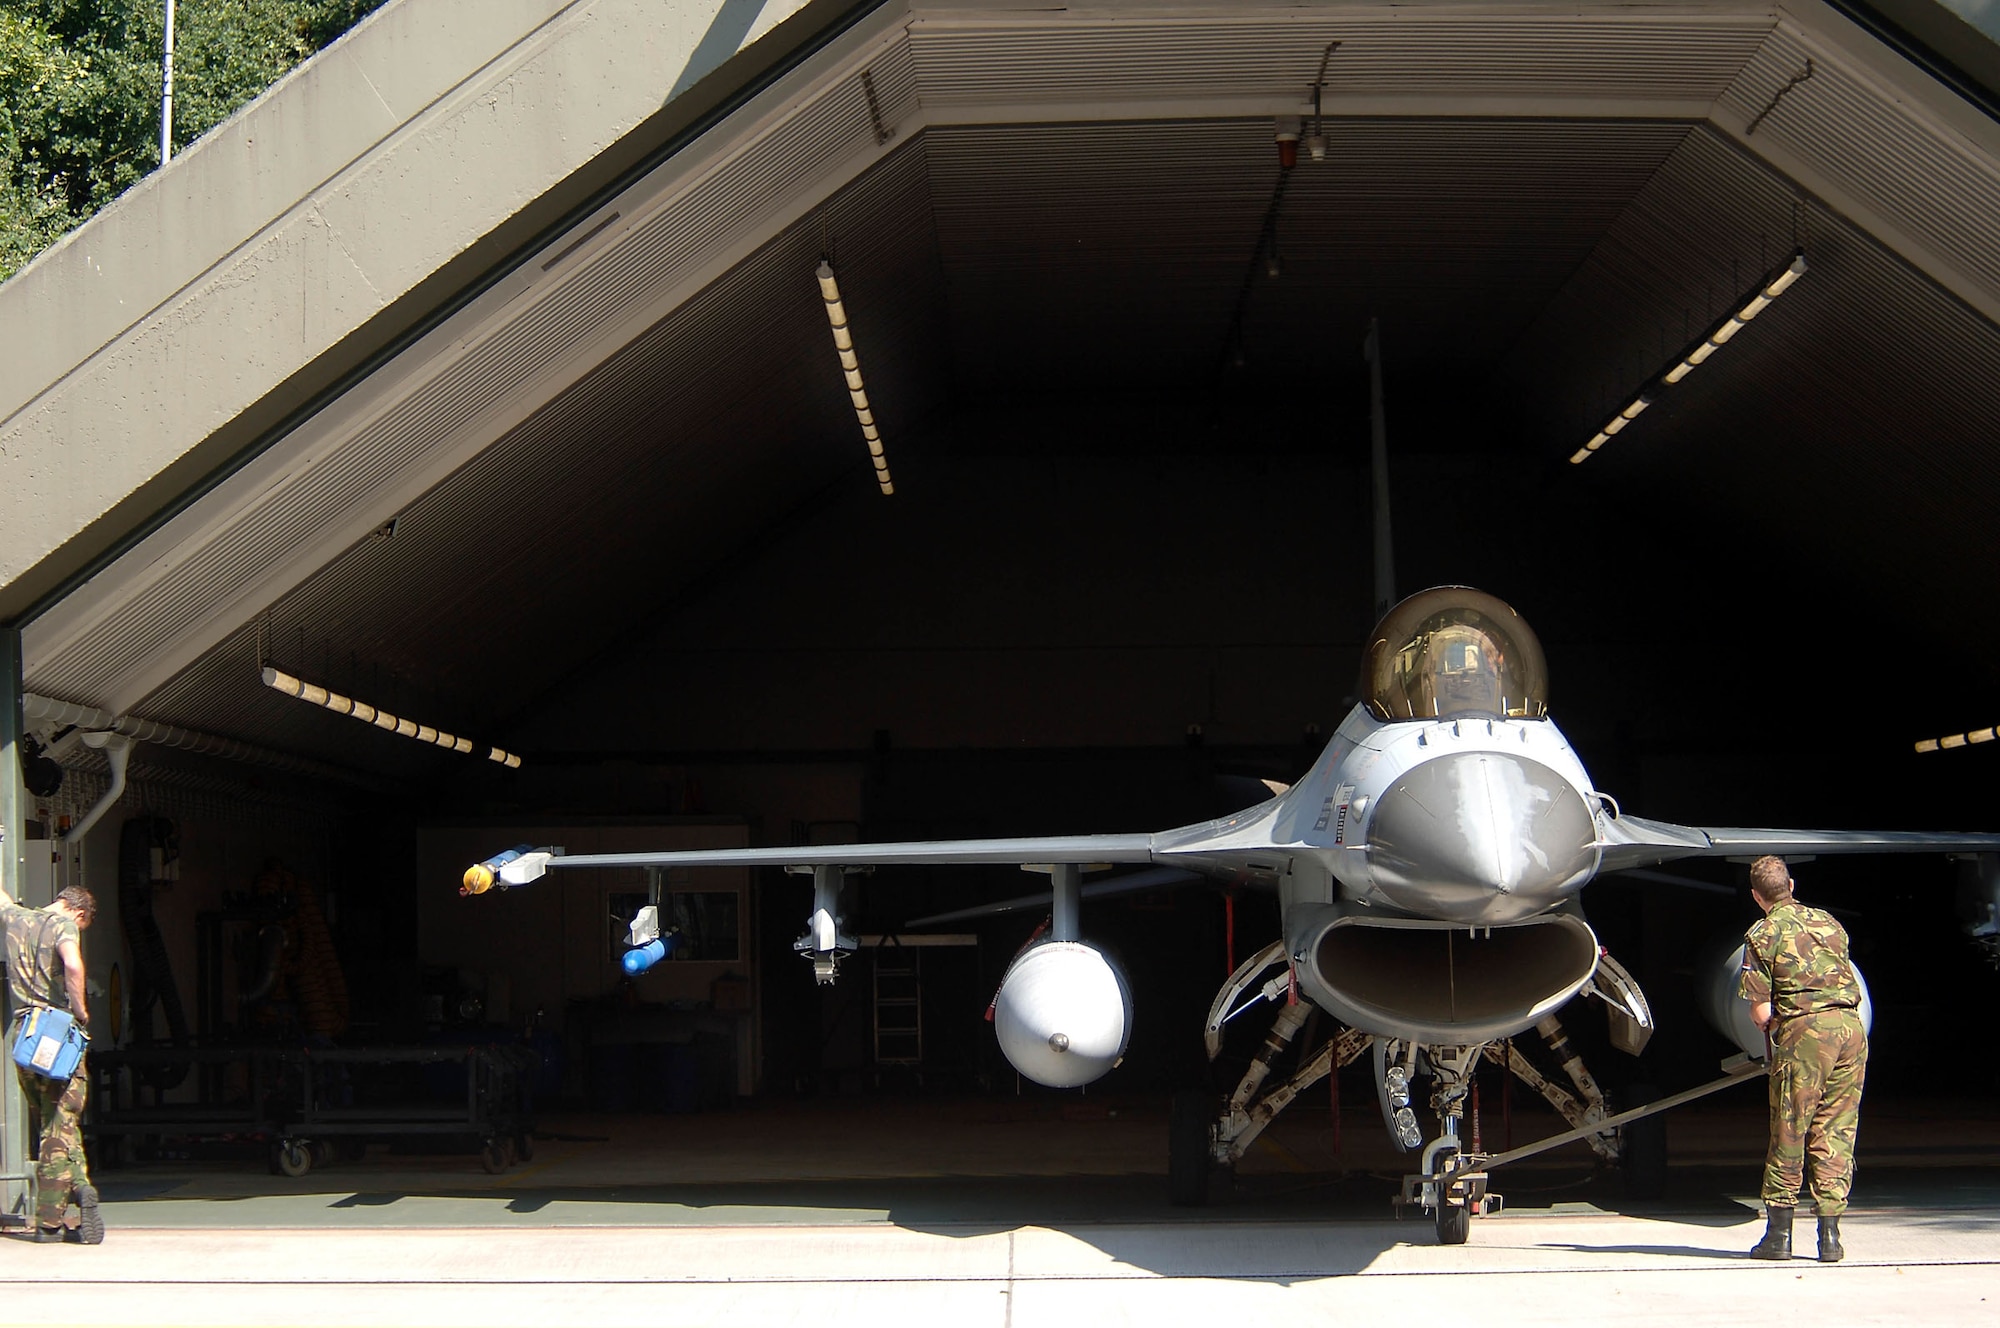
pixel 1450 653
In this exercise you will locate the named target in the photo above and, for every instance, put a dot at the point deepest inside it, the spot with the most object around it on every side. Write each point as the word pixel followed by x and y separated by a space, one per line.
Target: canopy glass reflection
pixel 1454 653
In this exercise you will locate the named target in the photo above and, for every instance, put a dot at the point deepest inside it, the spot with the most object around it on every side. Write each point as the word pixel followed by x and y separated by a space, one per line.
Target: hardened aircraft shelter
pixel 481 374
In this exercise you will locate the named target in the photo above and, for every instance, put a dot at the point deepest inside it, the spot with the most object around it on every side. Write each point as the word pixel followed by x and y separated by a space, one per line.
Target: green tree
pixel 80 94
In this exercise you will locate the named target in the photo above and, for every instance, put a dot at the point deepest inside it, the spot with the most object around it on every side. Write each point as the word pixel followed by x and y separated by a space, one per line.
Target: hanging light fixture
pixel 850 368
pixel 314 694
pixel 1951 740
pixel 1695 355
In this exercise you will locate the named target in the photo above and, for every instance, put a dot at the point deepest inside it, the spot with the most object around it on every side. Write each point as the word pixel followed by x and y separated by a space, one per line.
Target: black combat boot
pixel 1777 1242
pixel 90 1228
pixel 1829 1240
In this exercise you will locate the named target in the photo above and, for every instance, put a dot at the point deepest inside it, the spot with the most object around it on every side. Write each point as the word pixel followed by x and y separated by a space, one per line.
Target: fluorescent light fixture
pixel 1952 740
pixel 1685 364
pixel 280 681
pixel 1787 277
pixel 850 368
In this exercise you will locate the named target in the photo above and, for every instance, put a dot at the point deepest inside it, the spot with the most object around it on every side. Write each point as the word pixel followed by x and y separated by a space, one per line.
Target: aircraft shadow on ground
pixel 1127 1218
pixel 1274 1228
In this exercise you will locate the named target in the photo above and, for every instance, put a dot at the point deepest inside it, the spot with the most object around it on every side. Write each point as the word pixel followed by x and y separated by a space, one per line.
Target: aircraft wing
pixel 1156 878
pixel 1633 841
pixel 1055 848
pixel 520 866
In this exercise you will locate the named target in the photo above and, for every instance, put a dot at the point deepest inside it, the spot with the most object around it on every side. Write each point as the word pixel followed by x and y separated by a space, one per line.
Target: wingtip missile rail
pixel 517 866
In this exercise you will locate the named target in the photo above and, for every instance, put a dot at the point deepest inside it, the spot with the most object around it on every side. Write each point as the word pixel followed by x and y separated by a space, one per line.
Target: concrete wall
pixel 307 231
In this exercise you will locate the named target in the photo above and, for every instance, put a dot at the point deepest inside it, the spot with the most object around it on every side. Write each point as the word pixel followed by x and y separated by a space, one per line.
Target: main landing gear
pixel 1452 1182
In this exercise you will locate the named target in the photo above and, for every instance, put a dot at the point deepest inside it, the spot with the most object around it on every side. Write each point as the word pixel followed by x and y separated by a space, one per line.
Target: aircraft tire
pixel 1454 1223
pixel 1188 1161
pixel 1644 1147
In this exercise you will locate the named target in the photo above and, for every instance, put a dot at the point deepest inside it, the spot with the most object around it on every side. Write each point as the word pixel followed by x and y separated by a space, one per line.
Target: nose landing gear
pixel 1452 1184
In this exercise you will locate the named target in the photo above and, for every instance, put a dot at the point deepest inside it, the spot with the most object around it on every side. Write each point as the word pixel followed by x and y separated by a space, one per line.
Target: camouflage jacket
pixel 35 973
pixel 1796 958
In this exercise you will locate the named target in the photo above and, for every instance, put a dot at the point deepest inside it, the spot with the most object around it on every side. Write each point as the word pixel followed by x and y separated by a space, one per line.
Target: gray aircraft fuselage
pixel 1404 832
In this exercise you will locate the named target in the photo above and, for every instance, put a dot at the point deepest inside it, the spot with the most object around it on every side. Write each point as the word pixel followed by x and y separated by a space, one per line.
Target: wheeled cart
pixel 314 1104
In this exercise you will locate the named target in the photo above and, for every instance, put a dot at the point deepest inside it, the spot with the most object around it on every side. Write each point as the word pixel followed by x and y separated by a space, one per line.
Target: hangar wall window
pixel 1453 653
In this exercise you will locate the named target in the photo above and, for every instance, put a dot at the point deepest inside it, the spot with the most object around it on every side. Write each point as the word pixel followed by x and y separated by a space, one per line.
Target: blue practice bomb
pixel 639 960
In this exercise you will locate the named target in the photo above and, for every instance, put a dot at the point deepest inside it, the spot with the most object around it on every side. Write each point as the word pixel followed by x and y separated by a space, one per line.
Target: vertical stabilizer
pixel 1378 465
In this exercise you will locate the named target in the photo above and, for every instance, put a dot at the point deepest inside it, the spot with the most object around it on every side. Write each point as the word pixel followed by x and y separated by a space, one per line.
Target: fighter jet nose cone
pixel 1483 838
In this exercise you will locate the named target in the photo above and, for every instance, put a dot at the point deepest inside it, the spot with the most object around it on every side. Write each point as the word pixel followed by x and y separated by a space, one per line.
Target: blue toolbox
pixel 49 1043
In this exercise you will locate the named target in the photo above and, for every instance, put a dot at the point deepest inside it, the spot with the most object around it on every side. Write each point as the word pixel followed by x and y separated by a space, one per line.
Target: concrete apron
pixel 1908 1267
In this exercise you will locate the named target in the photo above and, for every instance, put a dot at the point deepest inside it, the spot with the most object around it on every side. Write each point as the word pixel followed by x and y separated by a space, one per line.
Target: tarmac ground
pixel 1008 1212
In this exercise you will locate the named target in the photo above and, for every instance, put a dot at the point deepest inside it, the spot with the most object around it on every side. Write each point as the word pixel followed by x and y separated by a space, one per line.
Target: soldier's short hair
pixel 81 902
pixel 1771 878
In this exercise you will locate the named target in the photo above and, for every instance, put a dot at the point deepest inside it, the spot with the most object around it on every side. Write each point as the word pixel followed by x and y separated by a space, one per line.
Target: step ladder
pixel 899 1007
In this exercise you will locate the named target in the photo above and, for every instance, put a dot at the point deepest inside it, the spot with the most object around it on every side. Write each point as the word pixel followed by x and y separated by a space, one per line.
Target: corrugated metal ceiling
pixel 1025 58
pixel 1056 237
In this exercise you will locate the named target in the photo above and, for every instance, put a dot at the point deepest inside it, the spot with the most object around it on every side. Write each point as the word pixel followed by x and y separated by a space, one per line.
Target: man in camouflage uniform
pixel 45 969
pixel 1805 996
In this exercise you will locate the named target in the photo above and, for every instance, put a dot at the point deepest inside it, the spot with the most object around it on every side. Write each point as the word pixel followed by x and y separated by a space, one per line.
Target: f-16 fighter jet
pixel 1428 869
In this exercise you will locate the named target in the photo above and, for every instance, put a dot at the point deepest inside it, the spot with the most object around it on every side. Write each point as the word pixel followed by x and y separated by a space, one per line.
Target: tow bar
pixel 1462 1181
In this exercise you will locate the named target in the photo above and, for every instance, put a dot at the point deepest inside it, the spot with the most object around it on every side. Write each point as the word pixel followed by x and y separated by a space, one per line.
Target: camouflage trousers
pixel 1817 1064
pixel 59 1160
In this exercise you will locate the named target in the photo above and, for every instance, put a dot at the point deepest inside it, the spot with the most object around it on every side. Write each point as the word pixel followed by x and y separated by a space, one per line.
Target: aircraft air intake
pixel 1063 1014
pixel 1450 985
